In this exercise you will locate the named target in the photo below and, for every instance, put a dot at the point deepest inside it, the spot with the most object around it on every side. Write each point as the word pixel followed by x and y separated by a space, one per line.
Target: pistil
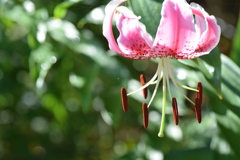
pixel 161 131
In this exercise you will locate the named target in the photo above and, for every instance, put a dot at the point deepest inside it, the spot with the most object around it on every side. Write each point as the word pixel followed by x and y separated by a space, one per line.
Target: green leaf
pixel 230 79
pixel 93 49
pixel 61 9
pixel 110 100
pixel 40 61
pixel 210 66
pixel 147 10
pixel 229 124
pixel 90 73
pixel 52 103
pixel 63 31
pixel 227 110
pixel 221 149
pixel 196 154
pixel 235 53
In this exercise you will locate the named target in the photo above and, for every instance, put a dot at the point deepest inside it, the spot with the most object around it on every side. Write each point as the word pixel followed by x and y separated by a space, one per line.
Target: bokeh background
pixel 60 87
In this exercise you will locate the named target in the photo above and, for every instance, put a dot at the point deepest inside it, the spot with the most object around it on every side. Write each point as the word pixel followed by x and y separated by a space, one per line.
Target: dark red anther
pixel 175 110
pixel 198 110
pixel 145 114
pixel 143 82
pixel 199 93
pixel 124 99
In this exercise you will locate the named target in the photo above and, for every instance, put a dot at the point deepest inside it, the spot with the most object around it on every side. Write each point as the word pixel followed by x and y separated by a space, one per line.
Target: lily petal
pixel 176 36
pixel 208 28
pixel 107 24
pixel 134 41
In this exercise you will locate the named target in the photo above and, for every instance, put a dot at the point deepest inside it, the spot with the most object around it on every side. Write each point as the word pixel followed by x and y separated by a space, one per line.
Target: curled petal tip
pixel 207 28
pixel 124 99
pixel 107 24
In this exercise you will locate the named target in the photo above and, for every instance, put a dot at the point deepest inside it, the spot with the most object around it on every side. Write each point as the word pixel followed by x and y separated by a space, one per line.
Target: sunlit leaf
pixel 63 32
pixel 221 149
pixel 227 110
pixel 55 106
pixel 235 52
pixel 41 60
pixel 61 9
pixel 229 124
pixel 230 79
pixel 210 65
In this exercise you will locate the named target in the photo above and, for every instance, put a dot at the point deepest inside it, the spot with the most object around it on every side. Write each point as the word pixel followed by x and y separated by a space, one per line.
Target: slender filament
pixel 152 81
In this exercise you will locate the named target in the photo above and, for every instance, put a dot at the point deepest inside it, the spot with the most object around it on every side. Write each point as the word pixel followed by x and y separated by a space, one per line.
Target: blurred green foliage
pixel 235 48
pixel 59 90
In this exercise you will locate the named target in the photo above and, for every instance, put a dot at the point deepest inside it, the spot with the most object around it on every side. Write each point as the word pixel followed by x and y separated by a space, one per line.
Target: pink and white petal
pixel 107 24
pixel 133 40
pixel 210 32
pixel 200 23
pixel 176 36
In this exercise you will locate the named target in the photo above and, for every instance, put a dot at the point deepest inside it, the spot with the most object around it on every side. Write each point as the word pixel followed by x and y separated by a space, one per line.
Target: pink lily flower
pixel 185 32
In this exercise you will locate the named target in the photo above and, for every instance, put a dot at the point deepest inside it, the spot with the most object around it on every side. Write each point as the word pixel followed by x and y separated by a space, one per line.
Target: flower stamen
pixel 175 110
pixel 152 81
pixel 198 110
pixel 186 87
pixel 160 76
pixel 124 99
pixel 143 82
pixel 175 82
pixel 199 93
pixel 164 72
pixel 145 114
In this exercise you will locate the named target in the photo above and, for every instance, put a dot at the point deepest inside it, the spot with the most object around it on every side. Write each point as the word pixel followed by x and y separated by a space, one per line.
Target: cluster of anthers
pixel 164 73
pixel 185 31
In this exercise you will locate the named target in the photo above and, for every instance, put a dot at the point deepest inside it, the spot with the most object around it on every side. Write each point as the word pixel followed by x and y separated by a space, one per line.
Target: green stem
pixel 161 131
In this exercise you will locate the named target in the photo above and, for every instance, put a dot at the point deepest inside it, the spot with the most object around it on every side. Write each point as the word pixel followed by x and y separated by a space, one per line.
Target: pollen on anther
pixel 198 111
pixel 145 114
pixel 143 82
pixel 175 110
pixel 199 93
pixel 124 99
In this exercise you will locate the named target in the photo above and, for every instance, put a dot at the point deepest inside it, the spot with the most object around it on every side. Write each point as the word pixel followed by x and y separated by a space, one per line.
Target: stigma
pixel 164 74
